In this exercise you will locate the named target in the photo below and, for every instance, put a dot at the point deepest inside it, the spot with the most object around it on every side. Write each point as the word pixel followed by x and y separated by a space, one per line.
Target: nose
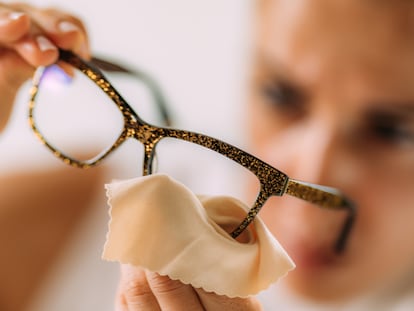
pixel 315 152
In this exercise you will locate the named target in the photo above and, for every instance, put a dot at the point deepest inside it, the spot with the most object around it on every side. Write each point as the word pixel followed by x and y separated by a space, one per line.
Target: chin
pixel 323 285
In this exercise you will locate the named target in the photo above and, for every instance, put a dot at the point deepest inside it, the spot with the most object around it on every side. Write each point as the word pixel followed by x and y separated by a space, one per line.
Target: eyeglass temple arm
pixel 326 197
pixel 147 79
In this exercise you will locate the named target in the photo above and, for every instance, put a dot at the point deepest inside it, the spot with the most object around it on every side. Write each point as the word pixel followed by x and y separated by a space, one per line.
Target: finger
pixel 9 83
pixel 134 291
pixel 120 301
pixel 64 30
pixel 13 25
pixel 172 294
pixel 20 33
pixel 37 50
pixel 213 301
pixel 50 28
pixel 12 62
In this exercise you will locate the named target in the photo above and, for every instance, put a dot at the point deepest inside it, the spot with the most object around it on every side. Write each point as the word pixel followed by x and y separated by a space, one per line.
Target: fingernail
pixel 66 26
pixel 15 15
pixel 10 17
pixel 45 44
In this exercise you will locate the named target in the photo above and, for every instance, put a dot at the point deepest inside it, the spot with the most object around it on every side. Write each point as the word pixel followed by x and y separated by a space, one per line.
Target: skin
pixel 21 26
pixel 143 290
pixel 332 103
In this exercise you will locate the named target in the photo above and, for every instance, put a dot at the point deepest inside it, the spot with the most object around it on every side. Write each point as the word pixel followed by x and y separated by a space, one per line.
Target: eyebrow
pixel 272 66
pixel 403 110
pixel 279 73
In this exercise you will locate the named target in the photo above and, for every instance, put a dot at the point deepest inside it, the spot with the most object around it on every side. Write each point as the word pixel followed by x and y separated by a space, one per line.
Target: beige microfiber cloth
pixel 159 224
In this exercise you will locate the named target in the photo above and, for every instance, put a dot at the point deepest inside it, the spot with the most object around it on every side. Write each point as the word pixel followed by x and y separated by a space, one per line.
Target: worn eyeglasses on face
pixel 272 182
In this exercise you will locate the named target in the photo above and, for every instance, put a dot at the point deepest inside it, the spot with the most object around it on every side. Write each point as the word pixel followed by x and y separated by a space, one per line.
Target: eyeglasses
pixel 272 181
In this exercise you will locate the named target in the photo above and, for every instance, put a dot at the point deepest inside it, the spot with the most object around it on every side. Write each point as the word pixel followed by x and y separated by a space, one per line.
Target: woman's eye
pixel 395 133
pixel 281 98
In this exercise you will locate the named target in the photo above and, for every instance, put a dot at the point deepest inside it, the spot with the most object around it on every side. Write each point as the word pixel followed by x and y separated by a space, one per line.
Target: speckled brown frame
pixel 273 182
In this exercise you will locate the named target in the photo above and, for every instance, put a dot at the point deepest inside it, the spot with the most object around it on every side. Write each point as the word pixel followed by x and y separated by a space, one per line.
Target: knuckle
pixel 212 301
pixel 136 289
pixel 163 284
pixel 135 286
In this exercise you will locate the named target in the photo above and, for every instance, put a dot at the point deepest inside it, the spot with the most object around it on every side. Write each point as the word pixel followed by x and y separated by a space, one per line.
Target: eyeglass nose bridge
pixel 149 136
pixel 149 156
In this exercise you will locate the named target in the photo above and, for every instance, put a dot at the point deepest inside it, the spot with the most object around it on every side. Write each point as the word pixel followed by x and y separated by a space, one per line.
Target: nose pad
pixel 347 226
pixel 149 156
pixel 154 163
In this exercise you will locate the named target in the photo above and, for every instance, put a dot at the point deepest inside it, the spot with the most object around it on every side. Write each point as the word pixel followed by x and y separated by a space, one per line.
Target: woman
pixel 331 103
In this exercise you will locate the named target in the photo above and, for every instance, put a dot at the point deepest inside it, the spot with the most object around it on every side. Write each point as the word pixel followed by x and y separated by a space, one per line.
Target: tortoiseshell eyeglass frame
pixel 272 181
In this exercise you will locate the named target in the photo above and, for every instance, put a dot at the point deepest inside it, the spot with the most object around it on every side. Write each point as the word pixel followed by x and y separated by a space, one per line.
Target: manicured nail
pixel 10 17
pixel 15 15
pixel 66 26
pixel 45 44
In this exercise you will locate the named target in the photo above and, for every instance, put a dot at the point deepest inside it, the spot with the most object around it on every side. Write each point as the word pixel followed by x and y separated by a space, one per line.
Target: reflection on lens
pixel 55 78
pixel 206 172
pixel 74 115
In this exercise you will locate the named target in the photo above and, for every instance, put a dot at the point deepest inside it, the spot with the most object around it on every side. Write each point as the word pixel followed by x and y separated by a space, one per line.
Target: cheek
pixel 385 228
pixel 382 254
pixel 386 213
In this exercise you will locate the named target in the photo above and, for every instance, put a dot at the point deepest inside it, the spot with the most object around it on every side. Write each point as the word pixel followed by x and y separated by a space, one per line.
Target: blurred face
pixel 332 103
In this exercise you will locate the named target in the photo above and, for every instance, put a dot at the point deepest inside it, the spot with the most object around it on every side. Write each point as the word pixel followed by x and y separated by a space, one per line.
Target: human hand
pixel 143 290
pixel 29 37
